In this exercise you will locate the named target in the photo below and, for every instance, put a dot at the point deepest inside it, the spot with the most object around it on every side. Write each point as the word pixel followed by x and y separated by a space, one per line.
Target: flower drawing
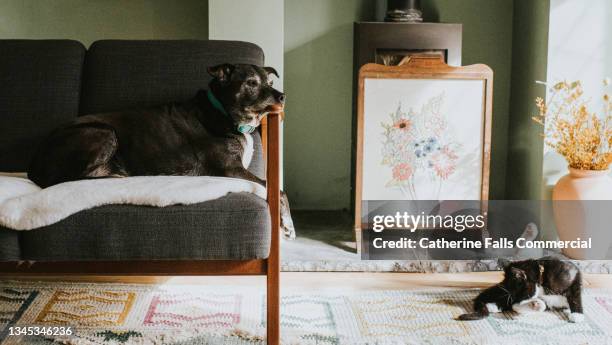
pixel 444 162
pixel 402 171
pixel 403 124
pixel 418 143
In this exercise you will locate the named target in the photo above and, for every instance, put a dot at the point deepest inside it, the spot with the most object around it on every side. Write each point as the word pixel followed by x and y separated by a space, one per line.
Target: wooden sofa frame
pixel 269 267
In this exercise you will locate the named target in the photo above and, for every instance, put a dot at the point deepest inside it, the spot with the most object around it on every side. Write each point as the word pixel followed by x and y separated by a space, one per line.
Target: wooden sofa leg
pixel 273 313
pixel 273 262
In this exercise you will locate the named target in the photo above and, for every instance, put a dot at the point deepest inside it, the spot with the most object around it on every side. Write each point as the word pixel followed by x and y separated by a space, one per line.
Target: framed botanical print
pixel 423 132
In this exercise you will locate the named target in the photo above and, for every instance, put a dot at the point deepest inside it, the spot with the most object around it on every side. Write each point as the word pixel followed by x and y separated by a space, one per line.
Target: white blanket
pixel 24 206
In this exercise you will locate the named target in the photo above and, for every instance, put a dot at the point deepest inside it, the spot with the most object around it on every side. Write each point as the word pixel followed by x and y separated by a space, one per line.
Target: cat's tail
pixel 480 312
pixel 471 316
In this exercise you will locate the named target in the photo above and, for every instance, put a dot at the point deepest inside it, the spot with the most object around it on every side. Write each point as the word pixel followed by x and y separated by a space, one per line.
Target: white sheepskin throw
pixel 24 206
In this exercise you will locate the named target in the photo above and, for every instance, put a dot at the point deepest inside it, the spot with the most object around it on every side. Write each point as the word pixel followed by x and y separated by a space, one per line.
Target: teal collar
pixel 245 129
pixel 215 102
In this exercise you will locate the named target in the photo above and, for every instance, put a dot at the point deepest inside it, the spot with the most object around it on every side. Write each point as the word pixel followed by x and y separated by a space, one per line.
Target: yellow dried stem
pixel 582 137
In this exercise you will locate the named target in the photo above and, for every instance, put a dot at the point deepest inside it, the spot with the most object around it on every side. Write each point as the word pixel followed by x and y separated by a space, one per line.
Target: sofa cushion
pixel 126 74
pixel 235 227
pixel 9 245
pixel 40 84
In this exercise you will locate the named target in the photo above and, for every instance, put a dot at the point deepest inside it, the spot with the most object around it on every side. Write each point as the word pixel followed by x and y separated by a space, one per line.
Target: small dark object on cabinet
pixel 404 11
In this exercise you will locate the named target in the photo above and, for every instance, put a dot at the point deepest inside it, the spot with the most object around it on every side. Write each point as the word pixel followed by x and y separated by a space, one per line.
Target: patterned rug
pixel 116 314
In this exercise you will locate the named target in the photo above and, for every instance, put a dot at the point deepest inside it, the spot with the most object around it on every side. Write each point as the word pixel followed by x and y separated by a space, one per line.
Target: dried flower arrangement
pixel 571 129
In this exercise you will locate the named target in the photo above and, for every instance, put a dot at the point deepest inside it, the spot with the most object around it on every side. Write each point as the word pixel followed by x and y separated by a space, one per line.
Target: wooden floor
pixel 334 280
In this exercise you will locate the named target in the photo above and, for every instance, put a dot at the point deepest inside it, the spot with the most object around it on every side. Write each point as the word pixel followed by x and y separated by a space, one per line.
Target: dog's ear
pixel 221 72
pixel 271 70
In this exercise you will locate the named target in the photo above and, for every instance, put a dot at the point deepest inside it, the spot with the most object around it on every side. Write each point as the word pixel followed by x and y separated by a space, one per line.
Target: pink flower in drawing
pixel 402 172
pixel 403 124
pixel 444 162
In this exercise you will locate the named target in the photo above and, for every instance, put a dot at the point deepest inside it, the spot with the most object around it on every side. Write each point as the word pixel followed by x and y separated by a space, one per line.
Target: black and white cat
pixel 533 285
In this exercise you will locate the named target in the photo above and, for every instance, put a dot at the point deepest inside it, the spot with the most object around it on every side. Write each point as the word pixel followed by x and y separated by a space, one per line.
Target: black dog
pixel 207 136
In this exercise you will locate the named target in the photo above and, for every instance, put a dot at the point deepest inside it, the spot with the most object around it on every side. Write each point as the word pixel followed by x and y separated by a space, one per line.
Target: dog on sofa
pixel 209 135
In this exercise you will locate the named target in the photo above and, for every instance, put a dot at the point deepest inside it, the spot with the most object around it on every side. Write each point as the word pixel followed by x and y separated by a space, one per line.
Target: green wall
pixel 318 82
pixel 90 20
pixel 487 38
pixel 530 53
pixel 510 36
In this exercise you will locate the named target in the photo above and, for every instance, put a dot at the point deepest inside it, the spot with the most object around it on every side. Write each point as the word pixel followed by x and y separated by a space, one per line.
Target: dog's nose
pixel 281 98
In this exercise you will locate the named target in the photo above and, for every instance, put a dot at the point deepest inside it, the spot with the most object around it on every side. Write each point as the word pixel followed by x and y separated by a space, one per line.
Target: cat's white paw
pixel 493 308
pixel 537 305
pixel 576 317
pixel 529 306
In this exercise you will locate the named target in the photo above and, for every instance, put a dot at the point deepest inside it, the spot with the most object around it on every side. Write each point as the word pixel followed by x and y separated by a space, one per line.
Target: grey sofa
pixel 44 83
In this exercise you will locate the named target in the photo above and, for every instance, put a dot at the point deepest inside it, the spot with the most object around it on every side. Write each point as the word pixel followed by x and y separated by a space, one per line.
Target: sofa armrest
pixel 272 154
pixel 264 135
pixel 271 143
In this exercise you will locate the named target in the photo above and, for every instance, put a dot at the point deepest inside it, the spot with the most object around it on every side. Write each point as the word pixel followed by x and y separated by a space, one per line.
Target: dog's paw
pixel 575 317
pixel 288 231
pixel 287 226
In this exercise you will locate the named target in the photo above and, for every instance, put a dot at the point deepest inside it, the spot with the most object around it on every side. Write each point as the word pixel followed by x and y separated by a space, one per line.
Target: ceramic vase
pixel 579 208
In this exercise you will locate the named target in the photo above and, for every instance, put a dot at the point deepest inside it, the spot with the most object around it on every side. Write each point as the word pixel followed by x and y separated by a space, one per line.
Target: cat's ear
pixel 518 273
pixel 503 263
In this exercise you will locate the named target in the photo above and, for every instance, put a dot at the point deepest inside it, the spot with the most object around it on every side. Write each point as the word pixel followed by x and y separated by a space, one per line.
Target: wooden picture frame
pixel 423 68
